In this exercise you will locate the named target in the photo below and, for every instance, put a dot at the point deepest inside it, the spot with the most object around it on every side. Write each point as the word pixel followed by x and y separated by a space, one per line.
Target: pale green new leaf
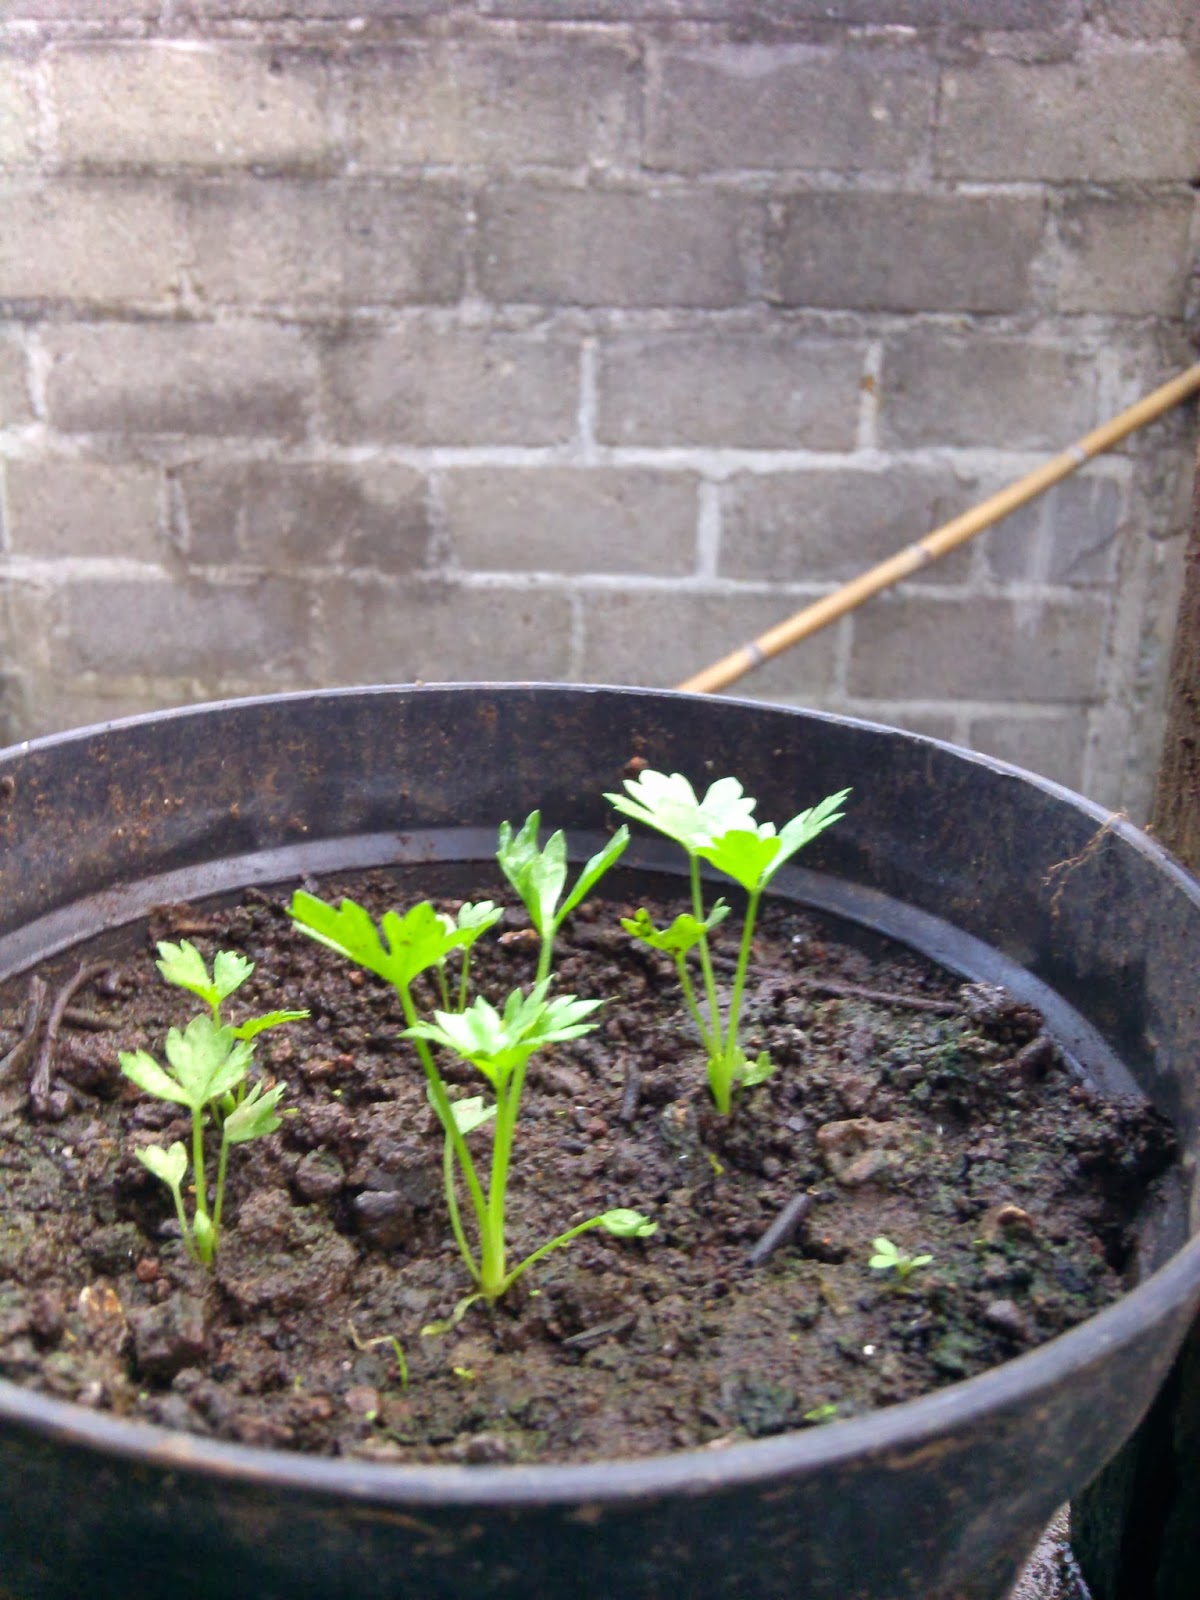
pixel 745 855
pixel 683 934
pixel 143 1070
pixel 230 971
pixel 407 946
pixel 594 869
pixel 668 803
pixel 471 1113
pixel 749 1073
pixel 272 1019
pixel 169 1165
pixel 254 1117
pixel 627 1224
pixel 207 1061
pixel 183 965
pixel 474 920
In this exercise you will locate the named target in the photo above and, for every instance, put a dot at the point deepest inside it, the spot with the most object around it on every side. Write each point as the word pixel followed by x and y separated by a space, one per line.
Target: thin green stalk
pixel 463 980
pixel 508 1100
pixel 693 1005
pixel 183 1225
pixel 222 1162
pixel 452 1206
pixel 710 983
pixel 553 1244
pixel 443 986
pixel 198 1170
pixel 743 962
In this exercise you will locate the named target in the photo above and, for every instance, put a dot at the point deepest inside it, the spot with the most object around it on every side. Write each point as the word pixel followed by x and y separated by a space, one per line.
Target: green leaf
pixel 683 934
pixel 669 804
pixel 205 1235
pixel 471 1113
pixel 626 1224
pixel 749 1073
pixel 407 947
pixel 253 1026
pixel 230 972
pixel 803 829
pixel 183 965
pixel 169 1165
pixel 886 1255
pixel 207 1061
pixel 143 1070
pixel 594 869
pixel 254 1117
pixel 745 855
pixel 495 1042
pixel 474 920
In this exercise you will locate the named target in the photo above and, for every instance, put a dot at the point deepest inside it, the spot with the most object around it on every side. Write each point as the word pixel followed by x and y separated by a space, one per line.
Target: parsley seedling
pixel 497 1044
pixel 720 829
pixel 207 1066
pixel 540 875
pixel 888 1258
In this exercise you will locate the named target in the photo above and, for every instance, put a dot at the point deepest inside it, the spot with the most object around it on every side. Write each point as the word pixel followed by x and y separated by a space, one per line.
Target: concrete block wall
pixel 350 340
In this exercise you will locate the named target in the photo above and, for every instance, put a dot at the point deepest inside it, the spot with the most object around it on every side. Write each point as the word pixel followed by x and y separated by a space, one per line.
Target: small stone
pixel 169 1337
pixel 362 1400
pixel 1005 1316
pixel 319 1176
pixel 146 1270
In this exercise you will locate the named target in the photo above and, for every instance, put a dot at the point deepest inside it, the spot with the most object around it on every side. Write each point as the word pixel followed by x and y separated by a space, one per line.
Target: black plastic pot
pixel 994 873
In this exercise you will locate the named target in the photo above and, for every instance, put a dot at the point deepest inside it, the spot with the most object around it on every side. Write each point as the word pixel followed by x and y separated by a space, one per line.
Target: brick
pixel 85 508
pixel 566 519
pixel 18 114
pixel 930 724
pixel 823 527
pixel 493 102
pixel 15 407
pixel 1124 253
pixel 235 379
pixel 597 247
pixel 90 11
pixel 122 626
pixel 56 707
pixel 751 389
pixel 944 389
pixel 259 242
pixel 990 14
pixel 906 252
pixel 780 107
pixel 1104 118
pixel 279 516
pixel 1067 536
pixel 201 11
pixel 437 632
pixel 166 104
pixel 1146 19
pixel 982 648
pixel 94 243
pixel 1053 747
pixel 662 638
pixel 422 385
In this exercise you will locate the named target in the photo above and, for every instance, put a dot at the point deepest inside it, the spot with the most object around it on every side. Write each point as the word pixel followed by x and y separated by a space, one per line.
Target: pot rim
pixel 897 1431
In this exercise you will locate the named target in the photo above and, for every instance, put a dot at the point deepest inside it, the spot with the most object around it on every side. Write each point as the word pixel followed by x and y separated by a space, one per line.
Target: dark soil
pixel 905 1104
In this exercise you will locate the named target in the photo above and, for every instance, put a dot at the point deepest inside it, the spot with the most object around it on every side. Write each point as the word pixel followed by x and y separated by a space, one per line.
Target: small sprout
pixel 825 1413
pixel 719 829
pixel 539 876
pixel 206 1071
pixel 397 1351
pixel 888 1258
pixel 498 1044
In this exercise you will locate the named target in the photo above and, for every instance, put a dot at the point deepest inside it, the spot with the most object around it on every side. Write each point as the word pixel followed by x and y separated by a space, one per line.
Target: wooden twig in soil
pixel 42 1102
pixel 632 1091
pixel 782 1230
pixel 834 990
pixel 14 1061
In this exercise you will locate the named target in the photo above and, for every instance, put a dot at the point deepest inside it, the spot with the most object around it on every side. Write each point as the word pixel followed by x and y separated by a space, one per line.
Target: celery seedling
pixel 183 965
pixel 206 1065
pixel 721 830
pixel 497 1044
pixel 888 1258
pixel 540 875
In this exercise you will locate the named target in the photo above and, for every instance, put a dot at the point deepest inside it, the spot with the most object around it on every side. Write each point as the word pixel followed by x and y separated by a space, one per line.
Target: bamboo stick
pixel 942 540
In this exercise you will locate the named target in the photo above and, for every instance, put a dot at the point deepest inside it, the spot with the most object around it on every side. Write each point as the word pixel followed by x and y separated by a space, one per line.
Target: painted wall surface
pixel 350 340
